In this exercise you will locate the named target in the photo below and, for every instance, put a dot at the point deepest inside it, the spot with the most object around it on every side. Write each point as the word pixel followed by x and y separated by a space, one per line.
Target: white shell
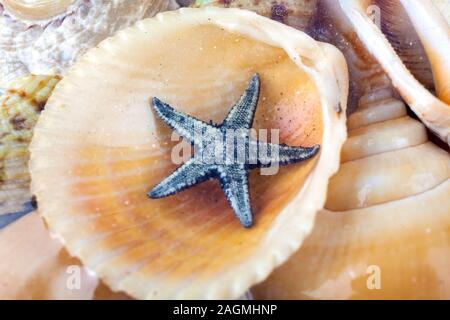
pixel 52 45
pixel 385 229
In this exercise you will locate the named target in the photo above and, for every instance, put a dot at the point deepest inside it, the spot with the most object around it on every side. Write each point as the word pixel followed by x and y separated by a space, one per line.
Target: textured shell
pixel 34 266
pixel 105 150
pixel 36 10
pixel 20 107
pixel 434 33
pixel 295 13
pixel 52 45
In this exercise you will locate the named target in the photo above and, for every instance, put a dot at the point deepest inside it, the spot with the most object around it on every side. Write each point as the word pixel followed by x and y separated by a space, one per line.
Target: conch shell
pixel 30 10
pixel 47 36
pixel 98 149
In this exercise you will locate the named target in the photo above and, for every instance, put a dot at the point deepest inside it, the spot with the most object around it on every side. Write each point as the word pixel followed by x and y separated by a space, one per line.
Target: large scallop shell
pixel 98 149
pixel 47 36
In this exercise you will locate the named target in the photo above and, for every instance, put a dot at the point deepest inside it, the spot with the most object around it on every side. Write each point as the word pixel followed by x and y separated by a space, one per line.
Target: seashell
pixel 105 149
pixel 20 107
pixel 434 33
pixel 386 216
pixel 34 266
pixel 47 36
pixel 385 229
pixel 322 18
pixel 295 13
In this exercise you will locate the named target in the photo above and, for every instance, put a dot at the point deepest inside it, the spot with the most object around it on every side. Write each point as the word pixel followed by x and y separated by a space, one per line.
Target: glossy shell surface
pixel 114 150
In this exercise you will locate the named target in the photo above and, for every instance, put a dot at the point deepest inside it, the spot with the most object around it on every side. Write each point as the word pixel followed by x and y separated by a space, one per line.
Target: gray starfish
pixel 211 159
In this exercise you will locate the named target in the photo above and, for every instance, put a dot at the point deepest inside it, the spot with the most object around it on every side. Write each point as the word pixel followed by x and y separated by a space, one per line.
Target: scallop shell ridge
pixel 295 227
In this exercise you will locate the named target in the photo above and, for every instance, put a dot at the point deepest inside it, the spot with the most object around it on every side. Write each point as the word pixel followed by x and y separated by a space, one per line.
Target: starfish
pixel 208 138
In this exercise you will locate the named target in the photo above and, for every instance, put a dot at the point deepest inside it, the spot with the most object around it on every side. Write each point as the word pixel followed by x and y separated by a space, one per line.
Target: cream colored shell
pixel 434 32
pixel 35 10
pixel 113 135
pixel 385 232
pixel 31 42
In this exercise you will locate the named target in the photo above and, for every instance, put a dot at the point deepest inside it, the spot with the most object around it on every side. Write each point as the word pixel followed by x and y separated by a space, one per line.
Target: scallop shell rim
pixel 315 187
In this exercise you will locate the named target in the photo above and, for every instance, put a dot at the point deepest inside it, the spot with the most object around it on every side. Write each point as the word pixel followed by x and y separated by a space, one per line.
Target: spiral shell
pixel 434 33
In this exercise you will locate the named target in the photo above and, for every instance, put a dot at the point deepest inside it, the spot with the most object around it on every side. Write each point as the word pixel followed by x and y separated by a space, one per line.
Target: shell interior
pixel 115 150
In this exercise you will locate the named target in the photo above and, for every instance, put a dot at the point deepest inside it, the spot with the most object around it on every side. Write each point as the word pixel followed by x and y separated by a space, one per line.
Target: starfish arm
pixel 282 154
pixel 186 125
pixel 234 182
pixel 184 177
pixel 242 114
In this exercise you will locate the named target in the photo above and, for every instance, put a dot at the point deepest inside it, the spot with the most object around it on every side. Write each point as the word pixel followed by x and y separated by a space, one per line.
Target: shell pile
pixel 47 36
pixel 105 149
pixel 382 229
